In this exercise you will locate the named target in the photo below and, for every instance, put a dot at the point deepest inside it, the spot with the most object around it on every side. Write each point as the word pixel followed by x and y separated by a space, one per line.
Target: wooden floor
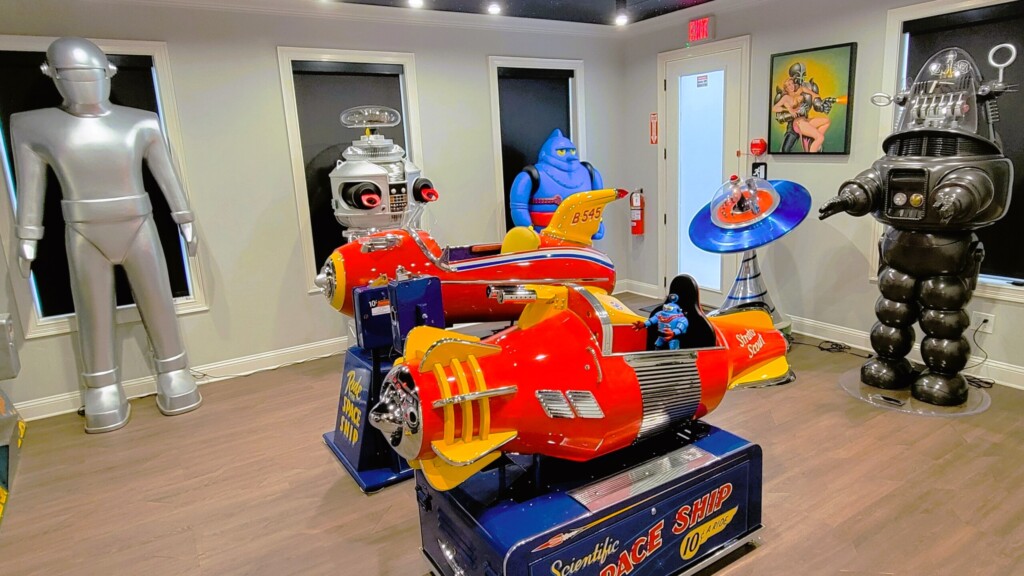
pixel 245 485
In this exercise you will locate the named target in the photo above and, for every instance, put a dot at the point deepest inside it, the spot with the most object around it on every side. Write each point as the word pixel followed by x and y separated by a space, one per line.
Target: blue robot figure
pixel 671 322
pixel 540 188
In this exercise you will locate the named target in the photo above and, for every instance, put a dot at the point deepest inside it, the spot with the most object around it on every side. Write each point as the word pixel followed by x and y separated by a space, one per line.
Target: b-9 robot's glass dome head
pixel 373 147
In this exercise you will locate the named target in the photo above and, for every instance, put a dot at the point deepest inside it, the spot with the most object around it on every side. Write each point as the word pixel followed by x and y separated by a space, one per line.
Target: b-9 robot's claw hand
pixel 834 205
pixel 639 325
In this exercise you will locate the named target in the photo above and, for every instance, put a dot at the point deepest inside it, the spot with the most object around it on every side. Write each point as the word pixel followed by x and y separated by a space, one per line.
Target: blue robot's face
pixel 559 152
pixel 670 308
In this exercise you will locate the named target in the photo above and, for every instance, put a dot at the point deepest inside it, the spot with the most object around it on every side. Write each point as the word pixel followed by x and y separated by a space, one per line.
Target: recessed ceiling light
pixel 494 8
pixel 621 19
pixel 416 3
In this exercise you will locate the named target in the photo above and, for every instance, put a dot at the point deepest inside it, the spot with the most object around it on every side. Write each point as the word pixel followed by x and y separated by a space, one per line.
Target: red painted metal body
pixel 466 271
pixel 562 353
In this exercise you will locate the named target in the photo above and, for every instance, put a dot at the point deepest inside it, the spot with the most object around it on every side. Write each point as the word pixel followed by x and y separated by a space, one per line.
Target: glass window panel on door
pixel 977 31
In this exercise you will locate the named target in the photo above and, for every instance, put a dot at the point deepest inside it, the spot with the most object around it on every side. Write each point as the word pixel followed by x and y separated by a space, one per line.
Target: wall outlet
pixel 985 321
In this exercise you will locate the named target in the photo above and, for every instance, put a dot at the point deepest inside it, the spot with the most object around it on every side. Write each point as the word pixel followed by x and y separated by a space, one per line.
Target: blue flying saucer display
pixel 747 214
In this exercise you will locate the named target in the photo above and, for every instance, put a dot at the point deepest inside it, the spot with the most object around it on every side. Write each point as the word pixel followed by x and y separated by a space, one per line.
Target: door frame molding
pixel 577 116
pixel 741 43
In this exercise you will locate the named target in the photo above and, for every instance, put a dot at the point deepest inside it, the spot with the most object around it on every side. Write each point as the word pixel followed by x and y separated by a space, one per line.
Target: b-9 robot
pixel 942 177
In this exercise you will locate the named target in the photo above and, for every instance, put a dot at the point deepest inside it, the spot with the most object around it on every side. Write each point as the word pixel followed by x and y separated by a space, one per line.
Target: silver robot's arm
pixel 857 196
pixel 159 160
pixel 30 169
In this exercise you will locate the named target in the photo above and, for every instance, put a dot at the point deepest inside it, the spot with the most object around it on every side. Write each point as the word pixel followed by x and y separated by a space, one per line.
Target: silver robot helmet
pixel 80 70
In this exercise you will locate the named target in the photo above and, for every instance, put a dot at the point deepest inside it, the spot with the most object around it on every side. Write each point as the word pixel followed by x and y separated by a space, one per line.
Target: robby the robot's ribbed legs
pixel 926 278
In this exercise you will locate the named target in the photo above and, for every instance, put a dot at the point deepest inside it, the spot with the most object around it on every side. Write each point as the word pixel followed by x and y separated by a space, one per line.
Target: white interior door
pixel 704 123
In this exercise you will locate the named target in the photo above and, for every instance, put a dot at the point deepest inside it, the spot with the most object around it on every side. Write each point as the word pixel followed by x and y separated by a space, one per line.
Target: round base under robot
pixel 978 400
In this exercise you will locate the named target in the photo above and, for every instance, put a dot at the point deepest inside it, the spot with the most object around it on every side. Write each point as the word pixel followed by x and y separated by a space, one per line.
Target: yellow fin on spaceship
pixel 578 217
pixel 443 476
pixel 773 371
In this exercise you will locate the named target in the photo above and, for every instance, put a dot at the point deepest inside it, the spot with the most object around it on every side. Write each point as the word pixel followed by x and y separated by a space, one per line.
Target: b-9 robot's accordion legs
pixel 928 278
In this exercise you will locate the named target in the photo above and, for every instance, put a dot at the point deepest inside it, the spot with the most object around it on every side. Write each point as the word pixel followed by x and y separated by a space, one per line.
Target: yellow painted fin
pixel 443 476
pixel 462 453
pixel 446 349
pixel 756 319
pixel 579 216
pixel 421 338
pixel 773 370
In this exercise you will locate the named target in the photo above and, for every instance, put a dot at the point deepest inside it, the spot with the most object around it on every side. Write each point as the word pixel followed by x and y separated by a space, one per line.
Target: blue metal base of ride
pixel 370 480
pixel 362 450
pixel 673 504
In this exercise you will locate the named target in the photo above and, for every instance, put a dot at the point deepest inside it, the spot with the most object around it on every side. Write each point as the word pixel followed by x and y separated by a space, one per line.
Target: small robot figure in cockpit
pixel 672 324
pixel 942 177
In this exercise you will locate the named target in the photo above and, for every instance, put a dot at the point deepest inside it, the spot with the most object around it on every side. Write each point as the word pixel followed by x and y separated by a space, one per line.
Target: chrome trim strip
pixel 471 396
pixel 597 364
pixel 602 316
pixel 617 488
pixel 554 404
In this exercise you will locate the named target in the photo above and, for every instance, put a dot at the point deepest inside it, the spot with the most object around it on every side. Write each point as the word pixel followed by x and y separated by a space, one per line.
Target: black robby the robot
pixel 942 177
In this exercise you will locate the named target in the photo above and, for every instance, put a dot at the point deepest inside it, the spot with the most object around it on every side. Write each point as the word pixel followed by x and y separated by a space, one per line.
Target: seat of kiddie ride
pixel 699 332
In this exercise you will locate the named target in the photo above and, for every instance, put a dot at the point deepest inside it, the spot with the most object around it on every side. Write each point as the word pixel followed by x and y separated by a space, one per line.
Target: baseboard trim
pixel 641 288
pixel 1002 373
pixel 213 372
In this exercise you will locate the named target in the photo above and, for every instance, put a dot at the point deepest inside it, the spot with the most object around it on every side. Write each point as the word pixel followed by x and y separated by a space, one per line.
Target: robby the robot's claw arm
pixel 963 193
pixel 858 196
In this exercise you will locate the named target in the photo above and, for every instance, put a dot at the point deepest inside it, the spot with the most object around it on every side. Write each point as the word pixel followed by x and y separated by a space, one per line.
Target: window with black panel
pixel 978 31
pixel 25 88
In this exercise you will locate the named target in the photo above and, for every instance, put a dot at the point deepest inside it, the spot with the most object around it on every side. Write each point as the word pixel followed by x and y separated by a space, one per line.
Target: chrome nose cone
pixel 398 415
pixel 326 280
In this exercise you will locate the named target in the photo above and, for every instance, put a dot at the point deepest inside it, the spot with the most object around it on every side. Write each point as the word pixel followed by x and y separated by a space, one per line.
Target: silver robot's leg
pixel 92 290
pixel 147 272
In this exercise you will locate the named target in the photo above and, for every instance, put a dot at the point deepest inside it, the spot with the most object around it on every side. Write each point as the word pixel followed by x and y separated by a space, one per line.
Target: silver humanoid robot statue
pixel 96 150
pixel 943 175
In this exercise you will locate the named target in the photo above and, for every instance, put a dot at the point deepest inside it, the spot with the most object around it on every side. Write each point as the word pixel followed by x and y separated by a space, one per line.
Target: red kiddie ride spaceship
pixel 573 380
pixel 561 253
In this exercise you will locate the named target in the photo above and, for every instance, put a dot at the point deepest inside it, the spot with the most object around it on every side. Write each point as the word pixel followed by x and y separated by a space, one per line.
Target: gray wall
pixel 224 68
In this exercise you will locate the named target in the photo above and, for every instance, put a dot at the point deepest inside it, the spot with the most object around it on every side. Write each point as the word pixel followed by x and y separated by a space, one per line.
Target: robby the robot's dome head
pixel 948 110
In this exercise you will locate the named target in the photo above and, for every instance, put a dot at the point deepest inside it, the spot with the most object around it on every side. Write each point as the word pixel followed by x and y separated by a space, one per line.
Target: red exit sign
pixel 701 29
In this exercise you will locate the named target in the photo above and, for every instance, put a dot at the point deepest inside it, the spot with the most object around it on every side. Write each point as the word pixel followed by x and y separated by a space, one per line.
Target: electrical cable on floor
pixel 832 347
pixel 978 381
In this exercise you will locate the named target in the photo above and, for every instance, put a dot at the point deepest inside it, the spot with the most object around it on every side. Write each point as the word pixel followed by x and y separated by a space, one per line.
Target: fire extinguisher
pixel 636 212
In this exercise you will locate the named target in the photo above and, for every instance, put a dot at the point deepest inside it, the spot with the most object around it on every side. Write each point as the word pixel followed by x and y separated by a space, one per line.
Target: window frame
pixel 892 63
pixel 410 117
pixel 577 115
pixel 34 326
